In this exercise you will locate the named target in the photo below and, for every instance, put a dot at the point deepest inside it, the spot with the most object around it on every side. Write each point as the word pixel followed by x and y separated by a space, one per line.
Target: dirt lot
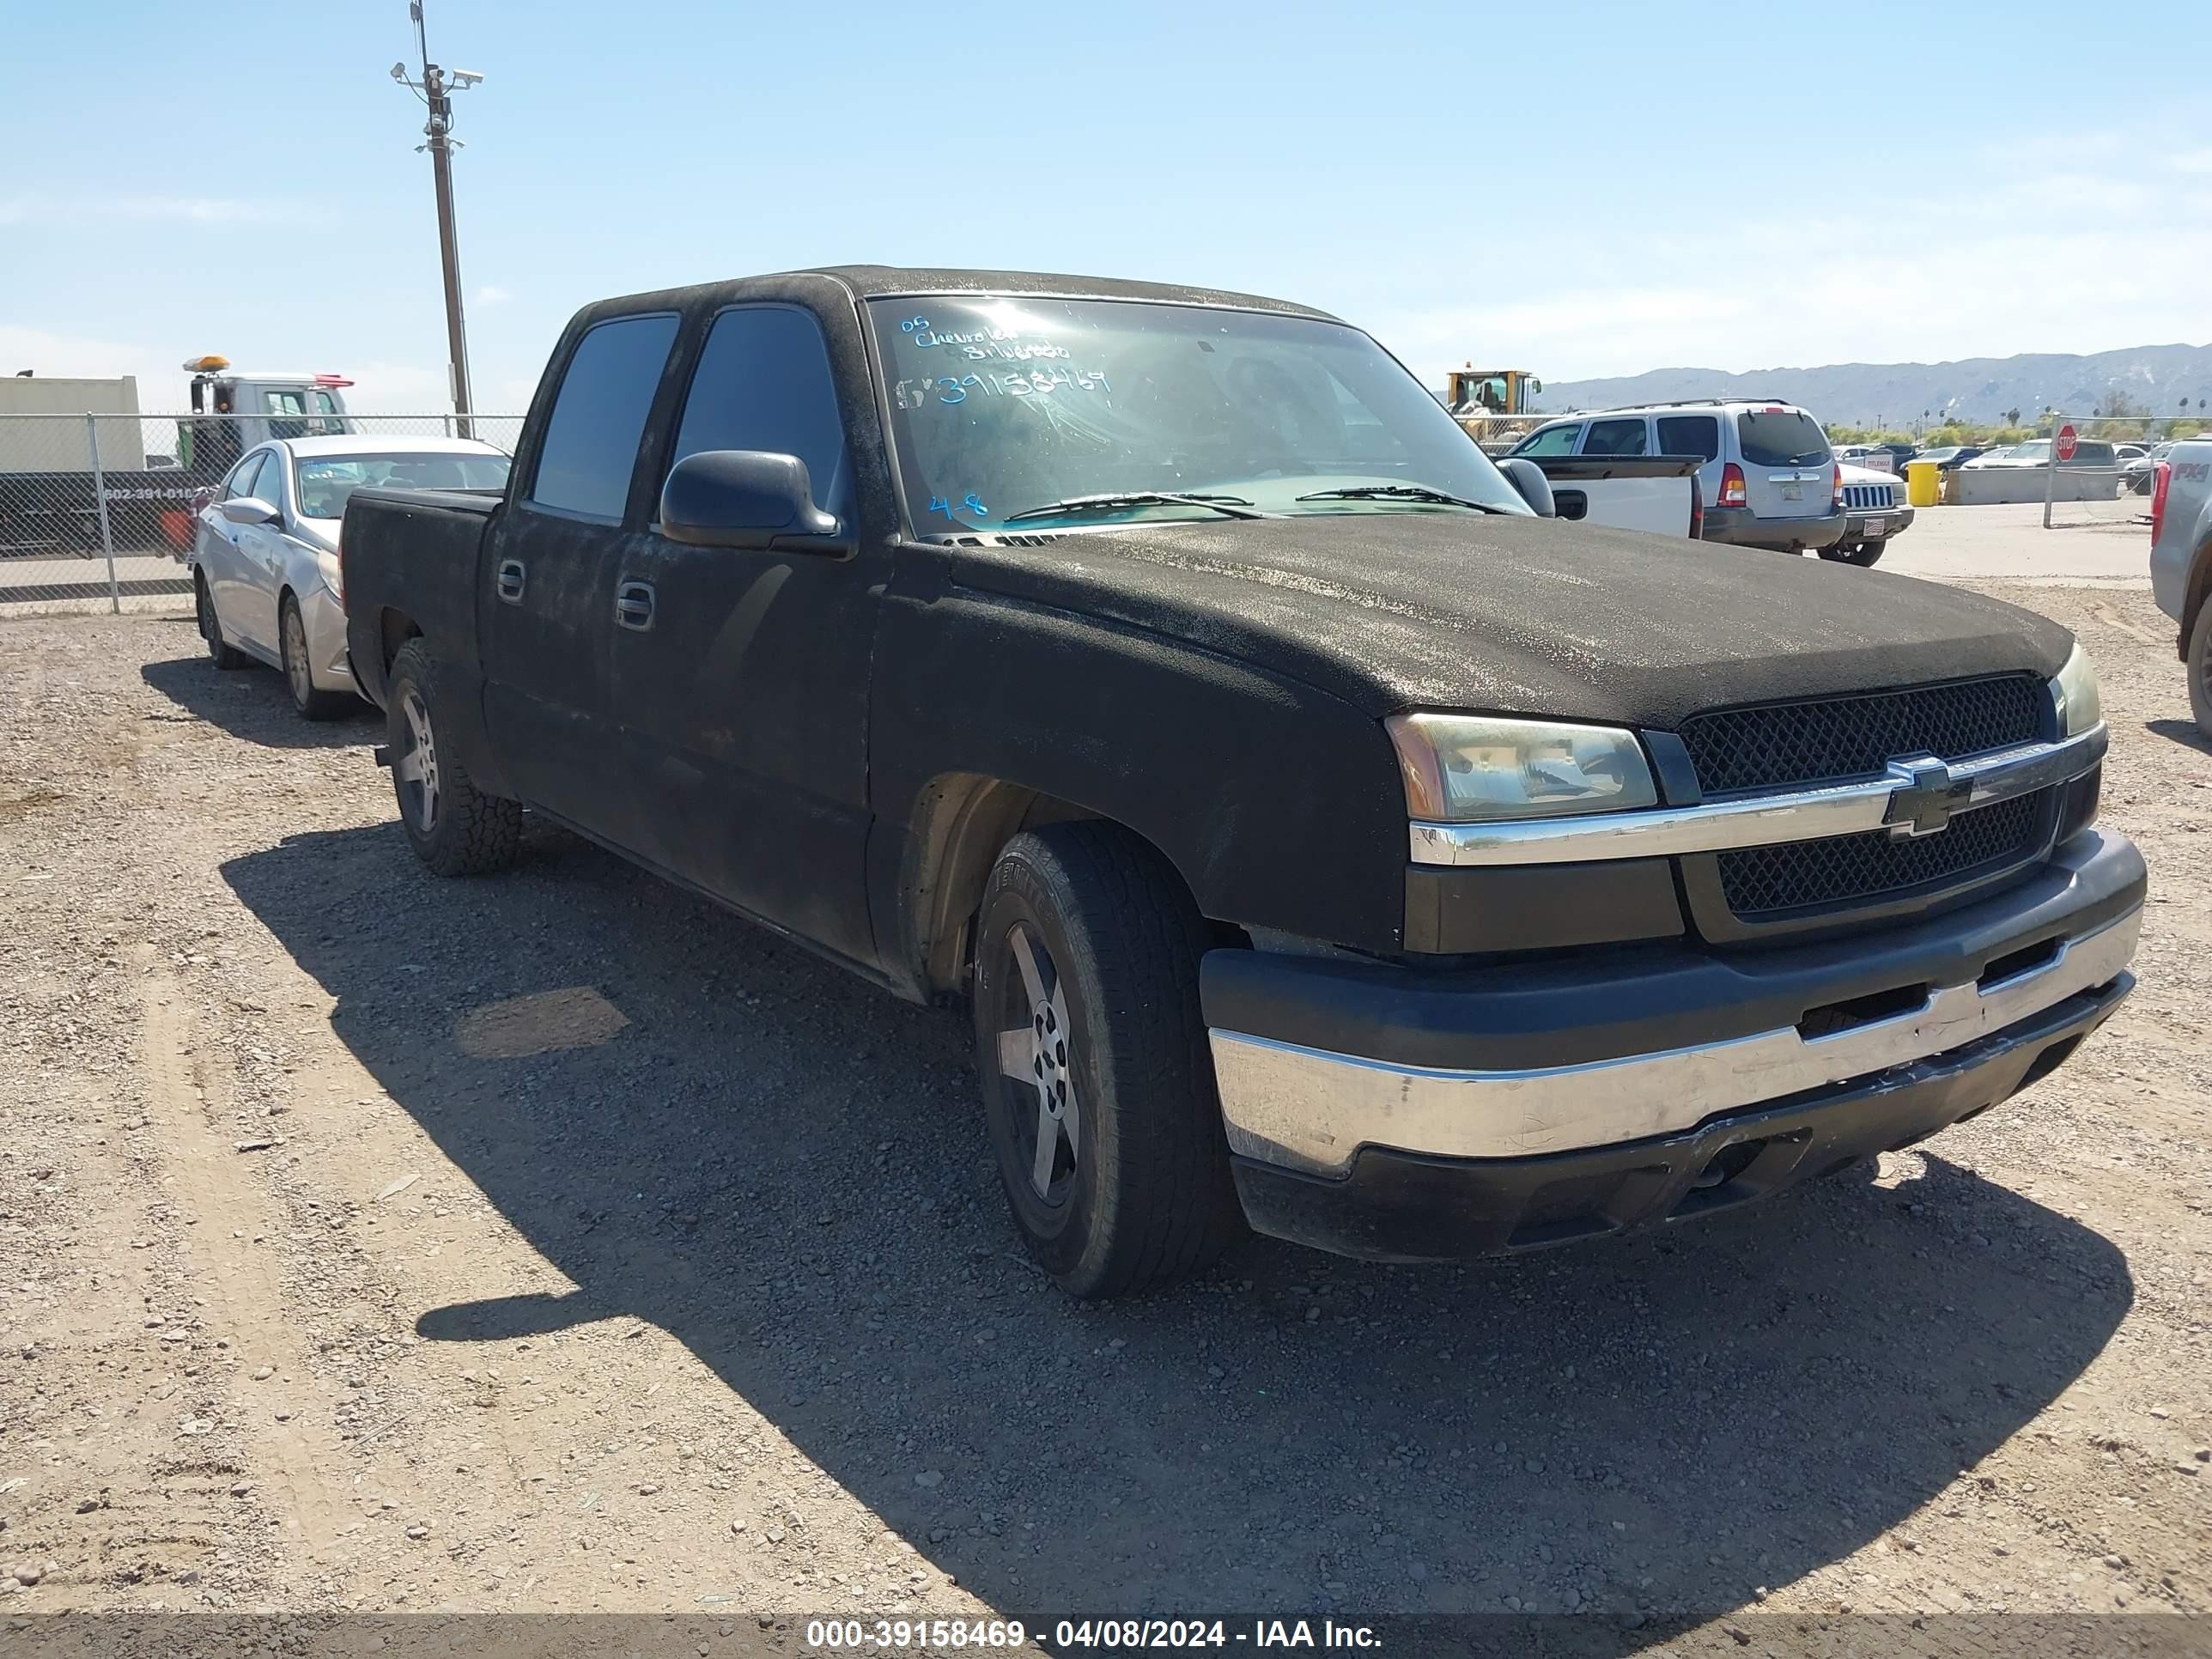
pixel 554 1243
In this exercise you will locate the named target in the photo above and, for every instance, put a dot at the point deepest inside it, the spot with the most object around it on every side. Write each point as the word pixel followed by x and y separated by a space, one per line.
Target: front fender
pixel 1278 803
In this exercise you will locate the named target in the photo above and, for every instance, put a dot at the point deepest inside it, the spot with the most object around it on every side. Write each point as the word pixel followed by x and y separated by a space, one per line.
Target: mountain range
pixel 2154 378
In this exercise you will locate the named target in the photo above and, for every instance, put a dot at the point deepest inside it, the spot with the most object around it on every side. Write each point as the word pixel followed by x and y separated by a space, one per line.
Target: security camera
pixel 466 77
pixel 399 72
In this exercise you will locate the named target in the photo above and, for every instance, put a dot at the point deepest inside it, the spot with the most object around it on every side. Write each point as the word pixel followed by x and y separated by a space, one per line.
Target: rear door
pixel 1787 472
pixel 1698 435
pixel 1619 434
pixel 545 603
pixel 741 677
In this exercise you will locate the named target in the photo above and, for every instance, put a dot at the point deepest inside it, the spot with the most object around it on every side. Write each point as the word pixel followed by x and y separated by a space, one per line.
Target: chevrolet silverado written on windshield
pixel 1046 413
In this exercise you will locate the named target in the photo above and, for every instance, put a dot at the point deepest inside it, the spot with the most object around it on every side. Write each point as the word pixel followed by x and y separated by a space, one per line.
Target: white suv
pixel 1767 478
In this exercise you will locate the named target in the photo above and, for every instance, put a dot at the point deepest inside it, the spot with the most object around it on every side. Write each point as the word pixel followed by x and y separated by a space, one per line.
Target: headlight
pixel 326 566
pixel 2075 687
pixel 1463 769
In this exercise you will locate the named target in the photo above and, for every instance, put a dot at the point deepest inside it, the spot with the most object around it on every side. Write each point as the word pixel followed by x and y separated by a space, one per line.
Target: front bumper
pixel 1894 521
pixel 1397 1114
pixel 324 618
pixel 1739 527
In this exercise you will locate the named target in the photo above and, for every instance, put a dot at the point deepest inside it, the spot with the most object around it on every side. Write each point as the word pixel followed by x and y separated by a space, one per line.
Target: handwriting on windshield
pixel 1040 381
pixel 980 344
pixel 968 505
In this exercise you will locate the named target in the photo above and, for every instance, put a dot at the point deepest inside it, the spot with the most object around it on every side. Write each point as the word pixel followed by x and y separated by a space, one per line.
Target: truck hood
pixel 1520 616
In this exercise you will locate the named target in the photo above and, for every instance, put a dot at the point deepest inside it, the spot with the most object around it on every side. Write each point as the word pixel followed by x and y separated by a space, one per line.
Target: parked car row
pixel 1320 837
pixel 1767 476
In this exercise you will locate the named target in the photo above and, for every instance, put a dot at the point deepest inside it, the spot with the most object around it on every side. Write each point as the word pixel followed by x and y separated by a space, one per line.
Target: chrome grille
pixel 1833 738
pixel 1861 497
pixel 1761 882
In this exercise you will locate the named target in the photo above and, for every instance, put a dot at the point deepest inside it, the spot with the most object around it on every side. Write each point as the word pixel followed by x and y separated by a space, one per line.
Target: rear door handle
pixel 510 580
pixel 634 606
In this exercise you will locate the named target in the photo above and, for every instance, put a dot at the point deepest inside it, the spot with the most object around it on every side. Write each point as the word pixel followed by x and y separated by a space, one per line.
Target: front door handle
pixel 634 606
pixel 510 580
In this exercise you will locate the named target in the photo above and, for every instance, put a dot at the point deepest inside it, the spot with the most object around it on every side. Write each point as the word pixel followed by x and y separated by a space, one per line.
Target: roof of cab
pixel 891 281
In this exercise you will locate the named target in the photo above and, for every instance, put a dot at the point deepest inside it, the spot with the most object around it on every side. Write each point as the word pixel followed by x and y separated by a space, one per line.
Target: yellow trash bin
pixel 1924 482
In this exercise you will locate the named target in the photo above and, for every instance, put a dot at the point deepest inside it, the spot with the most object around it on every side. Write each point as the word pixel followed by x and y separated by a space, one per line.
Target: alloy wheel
pixel 1036 1061
pixel 296 657
pixel 416 768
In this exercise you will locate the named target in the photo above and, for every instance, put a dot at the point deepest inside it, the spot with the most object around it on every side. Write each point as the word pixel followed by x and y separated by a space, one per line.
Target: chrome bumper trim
pixel 1313 1109
pixel 1765 820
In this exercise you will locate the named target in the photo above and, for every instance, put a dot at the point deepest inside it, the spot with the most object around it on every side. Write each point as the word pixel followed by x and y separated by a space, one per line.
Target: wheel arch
pixel 961 822
pixel 2198 592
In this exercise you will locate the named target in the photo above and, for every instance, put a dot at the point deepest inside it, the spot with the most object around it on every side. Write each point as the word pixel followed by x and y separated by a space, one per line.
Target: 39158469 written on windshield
pixel 1003 406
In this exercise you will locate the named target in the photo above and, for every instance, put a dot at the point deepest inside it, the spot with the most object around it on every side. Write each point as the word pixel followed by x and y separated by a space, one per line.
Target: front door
pixel 741 678
pixel 545 580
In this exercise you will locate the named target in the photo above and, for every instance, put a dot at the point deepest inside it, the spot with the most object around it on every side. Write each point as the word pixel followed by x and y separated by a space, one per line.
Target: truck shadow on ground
pixel 2184 732
pixel 705 1129
pixel 252 704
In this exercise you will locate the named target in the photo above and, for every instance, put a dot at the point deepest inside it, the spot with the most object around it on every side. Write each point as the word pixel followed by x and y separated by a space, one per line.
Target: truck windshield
pixel 1002 406
pixel 327 482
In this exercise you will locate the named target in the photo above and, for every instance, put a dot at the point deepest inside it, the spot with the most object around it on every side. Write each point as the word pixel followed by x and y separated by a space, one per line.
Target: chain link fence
pixel 98 511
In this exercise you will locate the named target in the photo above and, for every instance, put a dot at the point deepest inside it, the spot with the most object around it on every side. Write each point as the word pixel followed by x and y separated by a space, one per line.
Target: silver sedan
pixel 266 549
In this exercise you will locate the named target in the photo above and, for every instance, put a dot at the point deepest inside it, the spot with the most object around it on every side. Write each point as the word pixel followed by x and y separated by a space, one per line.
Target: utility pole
pixel 435 89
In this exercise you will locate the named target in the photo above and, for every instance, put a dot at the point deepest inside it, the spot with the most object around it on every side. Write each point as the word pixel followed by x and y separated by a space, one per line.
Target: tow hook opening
pixel 1830 1018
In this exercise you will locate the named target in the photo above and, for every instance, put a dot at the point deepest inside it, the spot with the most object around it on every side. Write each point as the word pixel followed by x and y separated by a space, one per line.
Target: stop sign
pixel 2064 447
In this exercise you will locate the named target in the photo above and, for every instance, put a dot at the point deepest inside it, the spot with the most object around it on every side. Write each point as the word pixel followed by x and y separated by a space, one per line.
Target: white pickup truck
pixel 2181 561
pixel 1658 493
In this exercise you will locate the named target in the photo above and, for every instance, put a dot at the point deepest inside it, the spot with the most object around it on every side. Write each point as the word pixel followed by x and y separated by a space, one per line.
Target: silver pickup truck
pixel 2181 561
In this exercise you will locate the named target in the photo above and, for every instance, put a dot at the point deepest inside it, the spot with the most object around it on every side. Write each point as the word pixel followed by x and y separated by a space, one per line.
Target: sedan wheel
pixel 309 699
pixel 219 652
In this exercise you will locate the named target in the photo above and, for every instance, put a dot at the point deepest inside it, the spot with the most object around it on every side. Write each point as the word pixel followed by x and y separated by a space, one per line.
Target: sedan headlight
pixel 1464 768
pixel 2076 689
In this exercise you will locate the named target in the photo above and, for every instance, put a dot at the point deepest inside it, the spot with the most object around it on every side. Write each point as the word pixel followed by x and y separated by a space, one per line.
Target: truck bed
pixel 422 545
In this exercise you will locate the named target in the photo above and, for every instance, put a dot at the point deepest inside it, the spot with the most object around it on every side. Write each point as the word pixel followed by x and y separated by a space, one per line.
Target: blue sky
pixel 1573 188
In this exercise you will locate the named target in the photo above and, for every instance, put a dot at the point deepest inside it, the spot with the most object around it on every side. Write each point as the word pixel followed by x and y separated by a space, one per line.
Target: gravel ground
pixel 554 1243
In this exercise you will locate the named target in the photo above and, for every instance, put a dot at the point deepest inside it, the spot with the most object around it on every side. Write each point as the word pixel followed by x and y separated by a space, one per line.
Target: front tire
pixel 455 828
pixel 220 651
pixel 2200 669
pixel 1097 1077
pixel 1861 554
pixel 312 703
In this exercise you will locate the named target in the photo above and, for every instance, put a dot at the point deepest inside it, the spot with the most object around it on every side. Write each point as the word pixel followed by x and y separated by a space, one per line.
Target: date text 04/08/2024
pixel 1122 1633
pixel 1085 1634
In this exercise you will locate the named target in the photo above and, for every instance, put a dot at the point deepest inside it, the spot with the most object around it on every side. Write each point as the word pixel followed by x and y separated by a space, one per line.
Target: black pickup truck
pixel 1323 837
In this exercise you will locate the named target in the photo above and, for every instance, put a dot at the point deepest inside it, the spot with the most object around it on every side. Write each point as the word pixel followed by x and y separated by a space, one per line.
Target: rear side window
pixel 2090 452
pixel 1691 434
pixel 593 435
pixel 1615 438
pixel 1781 437
pixel 1551 441
pixel 763 382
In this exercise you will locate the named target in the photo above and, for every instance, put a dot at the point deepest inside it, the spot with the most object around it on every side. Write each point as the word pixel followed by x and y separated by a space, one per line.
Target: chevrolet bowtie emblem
pixel 1925 797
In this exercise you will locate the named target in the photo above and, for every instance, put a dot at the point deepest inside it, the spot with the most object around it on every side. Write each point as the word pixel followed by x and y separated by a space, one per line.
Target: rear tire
pixel 2200 669
pixel 220 651
pixel 455 828
pixel 312 703
pixel 1091 1046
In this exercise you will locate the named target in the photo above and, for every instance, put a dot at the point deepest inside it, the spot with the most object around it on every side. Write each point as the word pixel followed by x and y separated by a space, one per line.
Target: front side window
pixel 1006 412
pixel 1551 441
pixel 763 382
pixel 326 483
pixel 1691 434
pixel 241 481
pixel 598 423
pixel 1781 437
pixel 1615 438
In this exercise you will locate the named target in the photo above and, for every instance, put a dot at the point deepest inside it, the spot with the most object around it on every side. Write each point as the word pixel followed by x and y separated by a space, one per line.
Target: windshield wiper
pixel 1229 507
pixel 1398 493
